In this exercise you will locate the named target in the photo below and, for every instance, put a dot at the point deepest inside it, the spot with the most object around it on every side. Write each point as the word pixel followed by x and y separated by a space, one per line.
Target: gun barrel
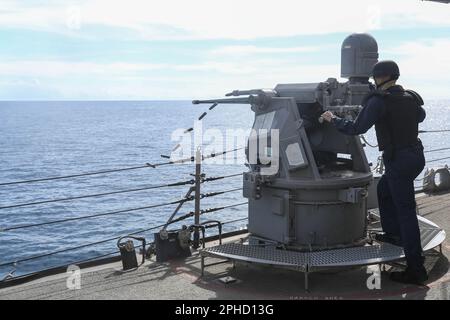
pixel 229 101
pixel 345 108
pixel 267 92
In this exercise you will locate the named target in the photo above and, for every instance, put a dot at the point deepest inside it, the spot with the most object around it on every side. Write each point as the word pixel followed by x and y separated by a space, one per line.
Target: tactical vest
pixel 399 125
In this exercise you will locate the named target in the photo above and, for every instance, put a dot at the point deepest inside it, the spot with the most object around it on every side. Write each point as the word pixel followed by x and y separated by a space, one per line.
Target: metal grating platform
pixel 370 254
pixel 431 236
pixel 258 254
pixel 430 233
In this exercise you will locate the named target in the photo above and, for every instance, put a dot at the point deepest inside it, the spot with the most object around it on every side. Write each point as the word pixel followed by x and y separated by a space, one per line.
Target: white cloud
pixel 49 68
pixel 227 19
pixel 67 80
pixel 250 50
pixel 425 65
pixel 425 58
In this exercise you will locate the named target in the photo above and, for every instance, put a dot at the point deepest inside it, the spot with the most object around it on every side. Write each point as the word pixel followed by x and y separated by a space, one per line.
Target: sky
pixel 189 49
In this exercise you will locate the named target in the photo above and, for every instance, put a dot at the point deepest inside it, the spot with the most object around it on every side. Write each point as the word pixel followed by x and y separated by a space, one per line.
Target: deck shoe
pixel 409 276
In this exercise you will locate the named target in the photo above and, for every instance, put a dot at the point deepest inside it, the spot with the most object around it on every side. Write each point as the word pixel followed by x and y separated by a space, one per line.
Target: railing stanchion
pixel 198 176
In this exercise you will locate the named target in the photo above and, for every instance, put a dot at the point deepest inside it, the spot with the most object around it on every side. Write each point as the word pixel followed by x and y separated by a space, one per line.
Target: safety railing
pixel 193 183
pixel 379 167
pixel 15 263
pixel 199 178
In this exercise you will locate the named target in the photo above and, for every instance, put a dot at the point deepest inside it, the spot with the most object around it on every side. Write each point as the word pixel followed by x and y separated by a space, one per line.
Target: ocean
pixel 52 138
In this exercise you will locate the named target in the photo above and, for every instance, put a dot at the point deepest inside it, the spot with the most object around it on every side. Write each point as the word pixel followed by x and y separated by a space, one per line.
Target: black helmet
pixel 386 68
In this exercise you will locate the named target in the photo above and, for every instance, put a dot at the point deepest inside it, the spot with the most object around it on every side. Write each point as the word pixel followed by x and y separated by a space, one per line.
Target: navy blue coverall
pixel 396 197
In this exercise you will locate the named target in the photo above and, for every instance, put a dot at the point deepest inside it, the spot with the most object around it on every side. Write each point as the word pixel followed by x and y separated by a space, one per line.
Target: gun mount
pixel 317 196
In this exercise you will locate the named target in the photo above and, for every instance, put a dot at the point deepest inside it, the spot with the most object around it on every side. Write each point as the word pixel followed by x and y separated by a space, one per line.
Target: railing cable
pixel 147 165
pixel 206 195
pixel 15 262
pixel 191 214
pixel 98 194
pixel 434 150
pixel 103 255
pixel 175 184
pixel 434 131
pixel 434 160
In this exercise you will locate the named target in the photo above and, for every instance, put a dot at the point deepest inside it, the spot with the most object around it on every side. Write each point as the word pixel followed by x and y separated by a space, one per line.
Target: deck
pixel 181 279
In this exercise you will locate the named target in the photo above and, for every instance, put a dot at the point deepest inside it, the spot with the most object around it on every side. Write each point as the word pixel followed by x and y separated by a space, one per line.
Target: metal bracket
pixel 353 195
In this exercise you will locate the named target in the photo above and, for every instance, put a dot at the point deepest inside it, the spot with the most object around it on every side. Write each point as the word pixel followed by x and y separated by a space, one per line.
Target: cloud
pixel 251 50
pixel 49 68
pixel 75 80
pixel 424 65
pixel 232 19
pixel 425 58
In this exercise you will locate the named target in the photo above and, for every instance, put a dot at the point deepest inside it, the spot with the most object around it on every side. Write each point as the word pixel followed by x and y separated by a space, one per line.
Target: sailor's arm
pixel 367 117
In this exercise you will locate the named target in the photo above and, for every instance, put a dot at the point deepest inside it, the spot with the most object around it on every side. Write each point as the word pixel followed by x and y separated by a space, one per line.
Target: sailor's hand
pixel 327 116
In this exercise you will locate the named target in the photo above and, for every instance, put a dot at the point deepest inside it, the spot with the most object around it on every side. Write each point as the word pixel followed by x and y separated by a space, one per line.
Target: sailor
pixel 396 113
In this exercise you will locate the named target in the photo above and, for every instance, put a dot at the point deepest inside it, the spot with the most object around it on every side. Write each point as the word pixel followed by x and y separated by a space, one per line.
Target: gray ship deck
pixel 181 279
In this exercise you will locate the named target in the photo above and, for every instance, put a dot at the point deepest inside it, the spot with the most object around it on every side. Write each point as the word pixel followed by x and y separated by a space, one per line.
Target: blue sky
pixel 173 49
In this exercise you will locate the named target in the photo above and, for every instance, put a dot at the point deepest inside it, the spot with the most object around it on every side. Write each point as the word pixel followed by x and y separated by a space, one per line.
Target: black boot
pixel 410 276
pixel 396 241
